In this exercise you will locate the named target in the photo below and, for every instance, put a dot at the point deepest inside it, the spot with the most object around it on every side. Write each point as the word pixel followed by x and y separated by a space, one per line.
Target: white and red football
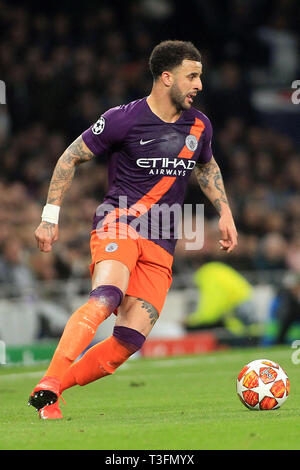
pixel 262 385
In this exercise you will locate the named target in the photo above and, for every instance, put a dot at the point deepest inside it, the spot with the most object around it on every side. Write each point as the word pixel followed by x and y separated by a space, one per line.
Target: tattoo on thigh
pixel 153 313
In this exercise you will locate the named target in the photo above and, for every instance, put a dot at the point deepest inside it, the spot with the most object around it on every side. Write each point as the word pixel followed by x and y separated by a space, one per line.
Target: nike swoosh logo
pixel 143 142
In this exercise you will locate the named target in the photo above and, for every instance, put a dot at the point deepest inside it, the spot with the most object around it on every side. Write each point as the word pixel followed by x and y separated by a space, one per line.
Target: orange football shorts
pixel 149 264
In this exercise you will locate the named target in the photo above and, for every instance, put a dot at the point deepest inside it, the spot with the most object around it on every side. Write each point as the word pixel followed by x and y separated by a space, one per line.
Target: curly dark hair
pixel 169 54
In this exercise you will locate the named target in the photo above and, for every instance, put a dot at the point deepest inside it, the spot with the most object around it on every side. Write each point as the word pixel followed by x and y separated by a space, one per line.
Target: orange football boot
pixel 50 411
pixel 45 393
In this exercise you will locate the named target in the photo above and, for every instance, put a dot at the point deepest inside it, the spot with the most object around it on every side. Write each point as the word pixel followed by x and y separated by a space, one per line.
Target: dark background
pixel 65 63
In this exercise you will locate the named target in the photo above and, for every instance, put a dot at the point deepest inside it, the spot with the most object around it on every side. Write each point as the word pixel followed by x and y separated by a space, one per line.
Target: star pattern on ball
pixel 262 385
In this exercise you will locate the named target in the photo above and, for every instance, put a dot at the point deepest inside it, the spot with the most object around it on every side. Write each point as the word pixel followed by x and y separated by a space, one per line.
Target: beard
pixel 178 99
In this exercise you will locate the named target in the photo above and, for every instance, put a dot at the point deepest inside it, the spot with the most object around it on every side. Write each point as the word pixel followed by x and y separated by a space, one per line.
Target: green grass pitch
pixel 183 403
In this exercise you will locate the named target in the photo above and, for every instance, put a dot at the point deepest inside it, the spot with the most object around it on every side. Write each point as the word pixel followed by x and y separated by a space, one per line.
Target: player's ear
pixel 167 78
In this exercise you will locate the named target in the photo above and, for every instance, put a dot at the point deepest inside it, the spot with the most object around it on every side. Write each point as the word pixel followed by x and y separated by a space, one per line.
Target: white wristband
pixel 51 213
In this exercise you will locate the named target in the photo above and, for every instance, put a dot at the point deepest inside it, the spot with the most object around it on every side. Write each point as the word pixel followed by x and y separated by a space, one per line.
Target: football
pixel 262 385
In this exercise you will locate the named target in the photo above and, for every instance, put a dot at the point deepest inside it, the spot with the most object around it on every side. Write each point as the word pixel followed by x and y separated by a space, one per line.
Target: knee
pixel 107 295
pixel 102 302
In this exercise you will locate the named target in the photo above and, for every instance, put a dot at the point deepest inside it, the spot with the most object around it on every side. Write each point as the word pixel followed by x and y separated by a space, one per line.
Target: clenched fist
pixel 46 234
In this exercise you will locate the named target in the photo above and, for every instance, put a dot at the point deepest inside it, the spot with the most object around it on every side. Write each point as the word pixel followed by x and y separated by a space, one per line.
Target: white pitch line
pixel 21 375
pixel 157 362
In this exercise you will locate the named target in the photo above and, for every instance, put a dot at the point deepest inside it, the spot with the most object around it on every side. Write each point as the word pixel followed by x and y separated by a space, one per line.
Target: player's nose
pixel 199 85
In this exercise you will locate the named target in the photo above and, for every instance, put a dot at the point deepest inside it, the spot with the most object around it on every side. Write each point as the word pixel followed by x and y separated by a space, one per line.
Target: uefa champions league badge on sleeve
pixel 111 247
pixel 191 142
pixel 98 127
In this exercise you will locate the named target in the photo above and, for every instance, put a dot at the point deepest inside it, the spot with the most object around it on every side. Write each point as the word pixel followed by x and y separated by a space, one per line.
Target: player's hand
pixel 46 234
pixel 228 231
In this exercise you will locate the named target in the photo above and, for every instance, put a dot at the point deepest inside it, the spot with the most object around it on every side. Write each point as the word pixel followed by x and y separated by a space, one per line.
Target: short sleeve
pixel 108 131
pixel 206 151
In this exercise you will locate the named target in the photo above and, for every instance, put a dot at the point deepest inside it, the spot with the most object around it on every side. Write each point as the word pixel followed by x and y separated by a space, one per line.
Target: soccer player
pixel 154 144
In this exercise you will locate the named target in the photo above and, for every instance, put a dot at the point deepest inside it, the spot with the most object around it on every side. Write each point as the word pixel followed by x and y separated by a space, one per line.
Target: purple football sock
pixel 132 338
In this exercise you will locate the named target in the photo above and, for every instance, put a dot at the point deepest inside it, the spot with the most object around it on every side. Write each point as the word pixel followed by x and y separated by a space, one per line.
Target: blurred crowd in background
pixel 64 67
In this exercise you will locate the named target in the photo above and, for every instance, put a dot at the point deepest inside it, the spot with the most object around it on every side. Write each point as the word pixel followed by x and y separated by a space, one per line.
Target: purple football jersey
pixel 150 162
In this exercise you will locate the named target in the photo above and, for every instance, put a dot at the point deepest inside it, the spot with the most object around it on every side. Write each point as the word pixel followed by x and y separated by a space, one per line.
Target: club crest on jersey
pixel 98 126
pixel 191 142
pixel 111 247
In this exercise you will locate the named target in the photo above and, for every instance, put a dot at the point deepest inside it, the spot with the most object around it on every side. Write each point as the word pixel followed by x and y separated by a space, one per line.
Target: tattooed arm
pixel 62 177
pixel 47 233
pixel 211 183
